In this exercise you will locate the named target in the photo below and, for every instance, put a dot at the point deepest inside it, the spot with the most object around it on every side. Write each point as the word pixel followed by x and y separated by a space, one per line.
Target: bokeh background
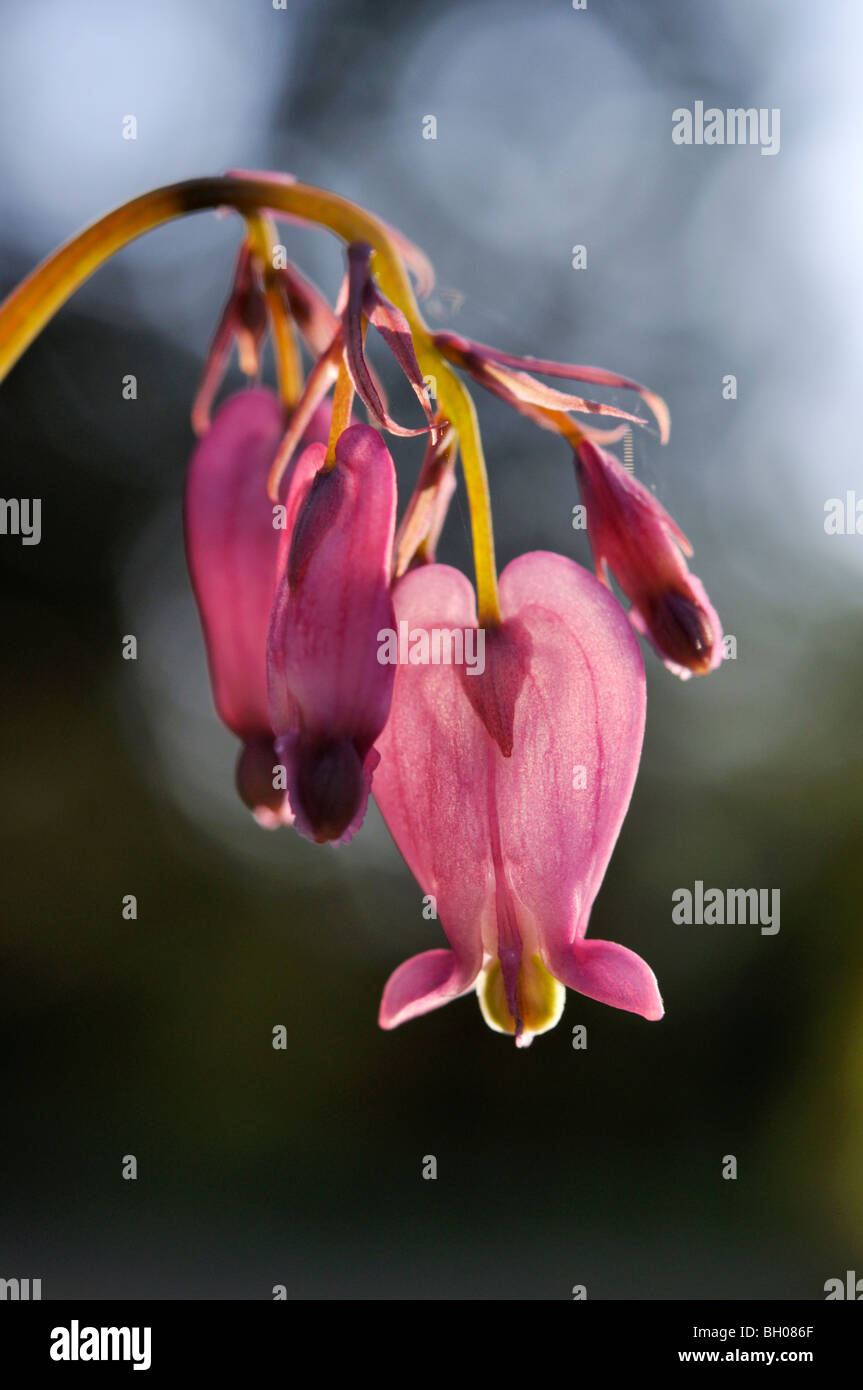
pixel 556 1167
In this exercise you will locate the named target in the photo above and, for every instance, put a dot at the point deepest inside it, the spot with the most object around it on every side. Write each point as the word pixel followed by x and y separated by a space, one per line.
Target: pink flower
pixel 632 535
pixel 505 791
pixel 329 693
pixel 232 550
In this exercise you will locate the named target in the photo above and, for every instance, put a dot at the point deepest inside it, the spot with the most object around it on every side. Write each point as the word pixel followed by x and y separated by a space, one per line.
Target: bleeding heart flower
pixel 329 693
pixel 504 779
pixel 232 548
pixel 505 792
pixel 632 535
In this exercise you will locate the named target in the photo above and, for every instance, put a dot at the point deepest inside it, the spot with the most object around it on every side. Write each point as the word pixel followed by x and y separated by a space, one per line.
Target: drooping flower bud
pixel 232 536
pixel 632 535
pixel 329 692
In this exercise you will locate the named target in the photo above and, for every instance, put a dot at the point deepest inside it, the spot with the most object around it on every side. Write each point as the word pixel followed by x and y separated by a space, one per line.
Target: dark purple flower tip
pixel 256 767
pixel 684 632
pixel 329 789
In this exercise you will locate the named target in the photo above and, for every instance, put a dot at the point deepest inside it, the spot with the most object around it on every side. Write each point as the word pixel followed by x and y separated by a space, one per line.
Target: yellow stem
pixel 289 368
pixel 456 404
pixel 343 399
pixel 29 307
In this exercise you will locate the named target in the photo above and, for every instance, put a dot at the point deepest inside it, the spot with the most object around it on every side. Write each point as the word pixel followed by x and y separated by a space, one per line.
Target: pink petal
pixel 505 791
pixel 579 725
pixel 232 549
pixel 424 983
pixel 612 481
pixel 395 330
pixel 430 785
pixel 215 366
pixel 596 376
pixel 314 317
pixel 519 388
pixel 359 257
pixel 632 535
pixel 609 973
pixel 329 693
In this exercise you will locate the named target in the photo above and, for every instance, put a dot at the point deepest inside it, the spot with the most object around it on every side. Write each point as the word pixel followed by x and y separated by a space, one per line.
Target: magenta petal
pixel 577 739
pixel 329 692
pixel 328 783
pixel 521 389
pixel 633 535
pixel 431 783
pixel 310 310
pixel 610 973
pixel 232 548
pixel 360 301
pixel 421 984
pixel 395 330
pixel 452 343
pixel 505 790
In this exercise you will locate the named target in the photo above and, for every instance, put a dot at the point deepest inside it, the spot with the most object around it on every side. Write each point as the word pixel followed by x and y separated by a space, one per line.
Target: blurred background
pixel 556 1167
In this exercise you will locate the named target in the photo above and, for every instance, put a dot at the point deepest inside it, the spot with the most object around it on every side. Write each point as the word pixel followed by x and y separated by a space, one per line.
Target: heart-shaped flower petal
pixel 505 790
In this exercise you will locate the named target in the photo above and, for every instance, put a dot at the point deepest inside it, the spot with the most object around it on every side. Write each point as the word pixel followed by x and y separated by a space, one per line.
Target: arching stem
pixel 26 311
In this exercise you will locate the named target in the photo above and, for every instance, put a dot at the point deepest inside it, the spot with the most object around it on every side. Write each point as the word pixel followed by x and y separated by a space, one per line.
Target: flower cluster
pixel 503 784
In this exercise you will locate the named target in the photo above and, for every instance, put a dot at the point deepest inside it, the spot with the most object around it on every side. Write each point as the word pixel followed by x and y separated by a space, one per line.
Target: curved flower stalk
pixel 504 781
pixel 505 790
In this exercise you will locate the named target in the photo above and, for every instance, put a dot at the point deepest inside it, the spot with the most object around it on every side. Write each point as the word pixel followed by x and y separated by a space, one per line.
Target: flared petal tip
pixel 423 983
pixel 611 974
